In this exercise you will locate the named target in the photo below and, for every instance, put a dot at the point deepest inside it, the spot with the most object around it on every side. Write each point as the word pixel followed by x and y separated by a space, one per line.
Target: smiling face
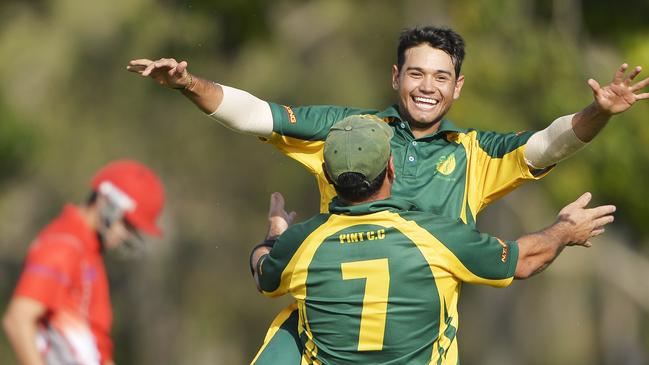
pixel 427 86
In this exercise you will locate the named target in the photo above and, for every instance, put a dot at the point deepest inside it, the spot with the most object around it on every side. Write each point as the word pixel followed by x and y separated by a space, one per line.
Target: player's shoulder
pixel 299 231
pixel 437 224
pixel 54 246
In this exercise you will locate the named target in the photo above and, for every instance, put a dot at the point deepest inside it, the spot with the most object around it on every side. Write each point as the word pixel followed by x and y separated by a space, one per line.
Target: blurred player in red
pixel 60 312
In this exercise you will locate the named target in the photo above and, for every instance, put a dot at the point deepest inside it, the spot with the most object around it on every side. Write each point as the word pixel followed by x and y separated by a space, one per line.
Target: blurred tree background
pixel 67 106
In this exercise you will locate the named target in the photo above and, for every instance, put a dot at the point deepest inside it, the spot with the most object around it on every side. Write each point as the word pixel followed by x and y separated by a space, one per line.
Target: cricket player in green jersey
pixel 375 280
pixel 441 167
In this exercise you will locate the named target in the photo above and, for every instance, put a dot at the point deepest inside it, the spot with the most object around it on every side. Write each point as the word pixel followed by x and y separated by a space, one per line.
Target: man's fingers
pixel 161 63
pixel 601 222
pixel 182 65
pixel 619 74
pixel 136 68
pixel 602 210
pixel 597 232
pixel 276 200
pixel 583 200
pixel 138 65
pixel 594 85
pixel 140 62
pixel 640 84
pixel 277 209
pixel 147 71
pixel 633 74
pixel 174 72
pixel 291 217
pixel 642 96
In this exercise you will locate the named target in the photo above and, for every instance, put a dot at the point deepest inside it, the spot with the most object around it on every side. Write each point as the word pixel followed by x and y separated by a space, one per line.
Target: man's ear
pixel 391 173
pixel 395 77
pixel 458 87
pixel 326 174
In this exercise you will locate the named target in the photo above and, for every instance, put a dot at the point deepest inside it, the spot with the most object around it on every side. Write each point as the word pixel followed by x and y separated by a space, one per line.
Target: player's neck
pixel 89 215
pixel 420 130
pixel 384 192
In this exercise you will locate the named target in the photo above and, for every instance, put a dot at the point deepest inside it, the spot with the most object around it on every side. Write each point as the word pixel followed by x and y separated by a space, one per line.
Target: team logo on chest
pixel 446 164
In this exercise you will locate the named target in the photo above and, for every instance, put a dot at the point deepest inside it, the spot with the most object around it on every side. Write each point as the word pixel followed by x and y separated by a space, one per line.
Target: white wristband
pixel 553 144
pixel 244 112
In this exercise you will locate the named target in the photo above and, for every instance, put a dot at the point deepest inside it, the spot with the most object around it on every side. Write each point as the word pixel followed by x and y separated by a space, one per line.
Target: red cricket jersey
pixel 65 271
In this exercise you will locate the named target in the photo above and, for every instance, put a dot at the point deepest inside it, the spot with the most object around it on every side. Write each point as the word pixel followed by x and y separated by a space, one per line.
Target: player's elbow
pixel 523 271
pixel 10 323
pixel 527 266
pixel 531 265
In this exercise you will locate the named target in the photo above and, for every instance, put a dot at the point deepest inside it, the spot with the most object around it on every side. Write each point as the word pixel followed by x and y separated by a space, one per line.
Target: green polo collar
pixel 337 206
pixel 393 113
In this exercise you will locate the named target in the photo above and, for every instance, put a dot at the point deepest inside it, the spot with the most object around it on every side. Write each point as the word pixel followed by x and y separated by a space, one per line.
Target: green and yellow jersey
pixel 378 283
pixel 454 172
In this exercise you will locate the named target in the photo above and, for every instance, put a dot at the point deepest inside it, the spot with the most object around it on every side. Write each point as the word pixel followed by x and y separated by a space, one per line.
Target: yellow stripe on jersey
pixel 274 327
pixel 309 154
pixel 491 177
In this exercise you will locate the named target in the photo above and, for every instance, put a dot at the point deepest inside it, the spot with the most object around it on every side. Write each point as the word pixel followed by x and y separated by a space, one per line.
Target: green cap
pixel 358 143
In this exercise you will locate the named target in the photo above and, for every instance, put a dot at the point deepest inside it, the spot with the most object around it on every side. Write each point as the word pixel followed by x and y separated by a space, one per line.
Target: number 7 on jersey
pixel 375 301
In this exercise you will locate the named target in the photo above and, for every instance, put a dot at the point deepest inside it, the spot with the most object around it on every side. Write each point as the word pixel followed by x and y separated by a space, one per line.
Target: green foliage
pixel 17 144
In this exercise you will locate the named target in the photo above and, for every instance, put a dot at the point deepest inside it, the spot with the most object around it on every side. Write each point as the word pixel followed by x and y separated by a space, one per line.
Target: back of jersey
pixel 371 295
pixel 382 287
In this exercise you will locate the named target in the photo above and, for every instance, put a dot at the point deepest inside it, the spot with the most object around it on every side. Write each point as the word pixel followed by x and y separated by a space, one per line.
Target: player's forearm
pixel 204 93
pixel 589 122
pixel 22 336
pixel 538 250
pixel 257 254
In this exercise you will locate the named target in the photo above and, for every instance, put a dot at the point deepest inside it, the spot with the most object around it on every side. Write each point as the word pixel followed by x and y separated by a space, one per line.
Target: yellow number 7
pixel 375 300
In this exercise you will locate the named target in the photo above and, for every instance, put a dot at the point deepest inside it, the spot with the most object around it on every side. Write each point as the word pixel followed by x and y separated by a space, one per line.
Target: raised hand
pixel 579 223
pixel 278 219
pixel 620 94
pixel 166 71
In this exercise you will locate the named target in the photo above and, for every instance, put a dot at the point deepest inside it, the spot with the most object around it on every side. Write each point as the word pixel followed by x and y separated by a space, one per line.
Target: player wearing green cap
pixel 439 166
pixel 377 282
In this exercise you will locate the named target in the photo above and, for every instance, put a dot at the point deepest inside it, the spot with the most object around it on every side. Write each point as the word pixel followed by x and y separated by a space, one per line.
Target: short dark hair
pixel 354 187
pixel 92 198
pixel 444 39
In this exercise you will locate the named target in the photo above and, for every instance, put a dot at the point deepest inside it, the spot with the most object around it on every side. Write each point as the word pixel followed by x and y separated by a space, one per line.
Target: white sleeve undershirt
pixel 553 144
pixel 244 113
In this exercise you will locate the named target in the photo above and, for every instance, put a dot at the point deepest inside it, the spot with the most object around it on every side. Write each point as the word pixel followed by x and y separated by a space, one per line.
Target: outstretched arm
pixel 567 134
pixel 235 109
pixel 575 225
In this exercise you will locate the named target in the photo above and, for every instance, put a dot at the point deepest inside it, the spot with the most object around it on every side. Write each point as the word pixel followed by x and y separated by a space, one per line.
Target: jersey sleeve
pixel 310 123
pixel 48 272
pixel 299 132
pixel 469 255
pixel 275 269
pixel 497 166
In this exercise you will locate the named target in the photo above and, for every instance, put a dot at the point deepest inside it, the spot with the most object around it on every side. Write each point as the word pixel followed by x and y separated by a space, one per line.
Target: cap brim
pixel 146 227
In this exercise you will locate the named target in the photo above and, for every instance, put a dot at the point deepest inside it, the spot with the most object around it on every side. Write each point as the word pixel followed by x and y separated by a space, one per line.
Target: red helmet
pixel 136 189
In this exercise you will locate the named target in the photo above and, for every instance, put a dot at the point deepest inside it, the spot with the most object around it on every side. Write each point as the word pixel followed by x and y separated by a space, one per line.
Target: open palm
pixel 620 94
